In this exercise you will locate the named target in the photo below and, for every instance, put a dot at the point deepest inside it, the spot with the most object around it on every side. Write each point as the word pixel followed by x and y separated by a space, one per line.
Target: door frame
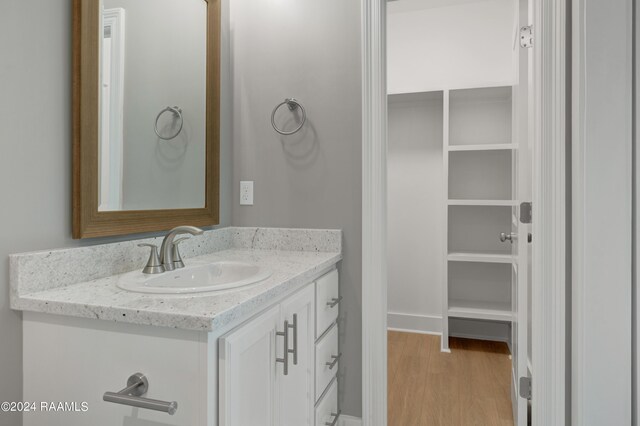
pixel 550 213
pixel 603 207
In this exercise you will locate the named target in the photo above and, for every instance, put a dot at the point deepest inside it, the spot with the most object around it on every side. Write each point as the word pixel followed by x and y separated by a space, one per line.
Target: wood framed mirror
pixel 146 108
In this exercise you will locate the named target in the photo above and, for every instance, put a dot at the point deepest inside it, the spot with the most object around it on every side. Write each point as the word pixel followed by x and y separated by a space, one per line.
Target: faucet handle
pixel 153 266
pixel 177 259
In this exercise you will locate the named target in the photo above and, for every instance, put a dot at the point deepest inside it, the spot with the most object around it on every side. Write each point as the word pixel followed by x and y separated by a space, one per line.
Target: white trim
pixel 549 227
pixel 635 366
pixel 602 190
pixel 549 213
pixel 350 421
pixel 374 212
pixel 410 323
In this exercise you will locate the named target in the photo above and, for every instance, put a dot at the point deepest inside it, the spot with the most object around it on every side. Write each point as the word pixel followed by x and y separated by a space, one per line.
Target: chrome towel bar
pixel 293 105
pixel 177 112
pixel 138 385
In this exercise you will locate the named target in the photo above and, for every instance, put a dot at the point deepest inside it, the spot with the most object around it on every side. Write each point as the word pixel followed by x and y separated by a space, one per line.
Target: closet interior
pixel 469 132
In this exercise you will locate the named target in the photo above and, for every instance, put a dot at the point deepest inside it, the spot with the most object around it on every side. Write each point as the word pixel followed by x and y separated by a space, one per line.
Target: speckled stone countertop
pixel 82 281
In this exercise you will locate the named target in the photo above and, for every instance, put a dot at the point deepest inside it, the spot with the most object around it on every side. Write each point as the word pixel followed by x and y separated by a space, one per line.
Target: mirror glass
pixel 152 136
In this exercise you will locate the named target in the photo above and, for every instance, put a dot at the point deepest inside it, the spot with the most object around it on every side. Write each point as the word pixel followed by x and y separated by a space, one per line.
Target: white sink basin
pixel 221 275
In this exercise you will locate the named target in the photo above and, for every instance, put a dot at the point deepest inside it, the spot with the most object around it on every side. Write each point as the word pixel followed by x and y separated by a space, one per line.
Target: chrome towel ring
pixel 177 112
pixel 293 105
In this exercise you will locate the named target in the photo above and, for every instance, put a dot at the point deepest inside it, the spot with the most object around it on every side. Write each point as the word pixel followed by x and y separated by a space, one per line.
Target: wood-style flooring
pixel 469 386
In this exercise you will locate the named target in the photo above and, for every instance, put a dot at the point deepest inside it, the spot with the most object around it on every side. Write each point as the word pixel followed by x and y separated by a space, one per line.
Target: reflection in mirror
pixel 152 105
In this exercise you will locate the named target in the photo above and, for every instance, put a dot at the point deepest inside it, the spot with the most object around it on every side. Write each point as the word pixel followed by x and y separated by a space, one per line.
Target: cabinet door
pixel 247 367
pixel 297 387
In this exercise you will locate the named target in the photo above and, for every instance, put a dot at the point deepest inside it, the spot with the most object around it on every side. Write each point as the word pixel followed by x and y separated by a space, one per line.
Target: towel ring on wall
pixel 177 112
pixel 293 105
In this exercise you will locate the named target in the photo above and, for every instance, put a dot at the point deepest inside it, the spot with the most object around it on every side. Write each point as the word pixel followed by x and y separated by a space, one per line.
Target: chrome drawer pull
pixel 335 420
pixel 294 351
pixel 138 385
pixel 334 302
pixel 285 359
pixel 333 363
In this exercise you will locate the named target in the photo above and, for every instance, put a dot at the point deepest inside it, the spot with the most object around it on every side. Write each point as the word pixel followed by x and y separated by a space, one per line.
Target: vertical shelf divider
pixel 481 142
pixel 444 341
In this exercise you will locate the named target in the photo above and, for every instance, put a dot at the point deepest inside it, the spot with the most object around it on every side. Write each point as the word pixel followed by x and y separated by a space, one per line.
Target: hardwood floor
pixel 469 386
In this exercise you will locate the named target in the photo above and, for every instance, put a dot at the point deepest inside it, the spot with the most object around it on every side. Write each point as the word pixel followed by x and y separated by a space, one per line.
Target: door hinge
pixel 524 387
pixel 526 36
pixel 526 211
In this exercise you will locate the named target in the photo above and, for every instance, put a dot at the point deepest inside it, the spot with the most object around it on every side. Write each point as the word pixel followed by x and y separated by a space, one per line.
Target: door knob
pixel 510 236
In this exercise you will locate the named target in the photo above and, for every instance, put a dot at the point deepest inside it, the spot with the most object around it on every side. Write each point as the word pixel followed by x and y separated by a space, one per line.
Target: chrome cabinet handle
pixel 335 420
pixel 285 359
pixel 137 385
pixel 510 236
pixel 334 302
pixel 333 363
pixel 294 351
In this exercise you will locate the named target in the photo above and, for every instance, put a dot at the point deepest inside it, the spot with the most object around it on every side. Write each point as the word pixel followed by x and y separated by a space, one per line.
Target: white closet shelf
pixel 480 257
pixel 480 310
pixel 483 147
pixel 496 203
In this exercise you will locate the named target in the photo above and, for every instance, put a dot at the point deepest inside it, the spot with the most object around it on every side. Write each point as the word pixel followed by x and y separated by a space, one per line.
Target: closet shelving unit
pixel 479 155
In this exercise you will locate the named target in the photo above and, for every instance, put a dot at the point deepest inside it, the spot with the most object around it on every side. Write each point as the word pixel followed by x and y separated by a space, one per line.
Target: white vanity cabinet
pixel 254 387
pixel 262 381
pixel 231 376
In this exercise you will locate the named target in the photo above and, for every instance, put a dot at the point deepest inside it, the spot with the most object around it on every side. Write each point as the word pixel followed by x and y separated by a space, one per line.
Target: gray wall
pixel 310 50
pixel 35 154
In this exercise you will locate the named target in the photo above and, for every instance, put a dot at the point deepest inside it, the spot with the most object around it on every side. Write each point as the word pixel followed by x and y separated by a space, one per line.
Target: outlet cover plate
pixel 246 193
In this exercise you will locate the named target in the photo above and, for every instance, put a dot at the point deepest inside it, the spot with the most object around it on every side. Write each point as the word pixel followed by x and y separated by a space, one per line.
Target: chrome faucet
pixel 167 247
pixel 169 258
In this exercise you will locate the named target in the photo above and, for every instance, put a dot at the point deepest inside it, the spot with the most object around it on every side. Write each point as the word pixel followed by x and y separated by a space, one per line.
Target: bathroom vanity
pixel 261 354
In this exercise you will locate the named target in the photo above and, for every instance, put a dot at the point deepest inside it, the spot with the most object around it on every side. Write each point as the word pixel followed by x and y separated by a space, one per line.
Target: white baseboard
pixel 350 421
pixel 424 324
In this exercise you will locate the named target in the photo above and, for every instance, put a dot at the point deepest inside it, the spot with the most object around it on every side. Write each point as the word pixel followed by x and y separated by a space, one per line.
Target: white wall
pixel 433 44
pixel 415 212
pixel 35 154
pixel 310 50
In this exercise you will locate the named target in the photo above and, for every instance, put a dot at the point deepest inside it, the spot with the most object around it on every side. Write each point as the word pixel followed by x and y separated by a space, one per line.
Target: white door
pixel 297 386
pixel 522 188
pixel 247 368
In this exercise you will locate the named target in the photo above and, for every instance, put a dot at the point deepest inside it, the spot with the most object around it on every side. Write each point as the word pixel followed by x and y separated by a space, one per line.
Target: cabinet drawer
pixel 327 301
pixel 326 350
pixel 327 409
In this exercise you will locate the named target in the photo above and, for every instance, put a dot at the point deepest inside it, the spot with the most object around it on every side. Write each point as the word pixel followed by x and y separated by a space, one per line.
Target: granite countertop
pixel 101 298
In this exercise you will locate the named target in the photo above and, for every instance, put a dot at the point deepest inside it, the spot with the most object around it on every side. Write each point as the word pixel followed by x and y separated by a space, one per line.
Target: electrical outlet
pixel 246 193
